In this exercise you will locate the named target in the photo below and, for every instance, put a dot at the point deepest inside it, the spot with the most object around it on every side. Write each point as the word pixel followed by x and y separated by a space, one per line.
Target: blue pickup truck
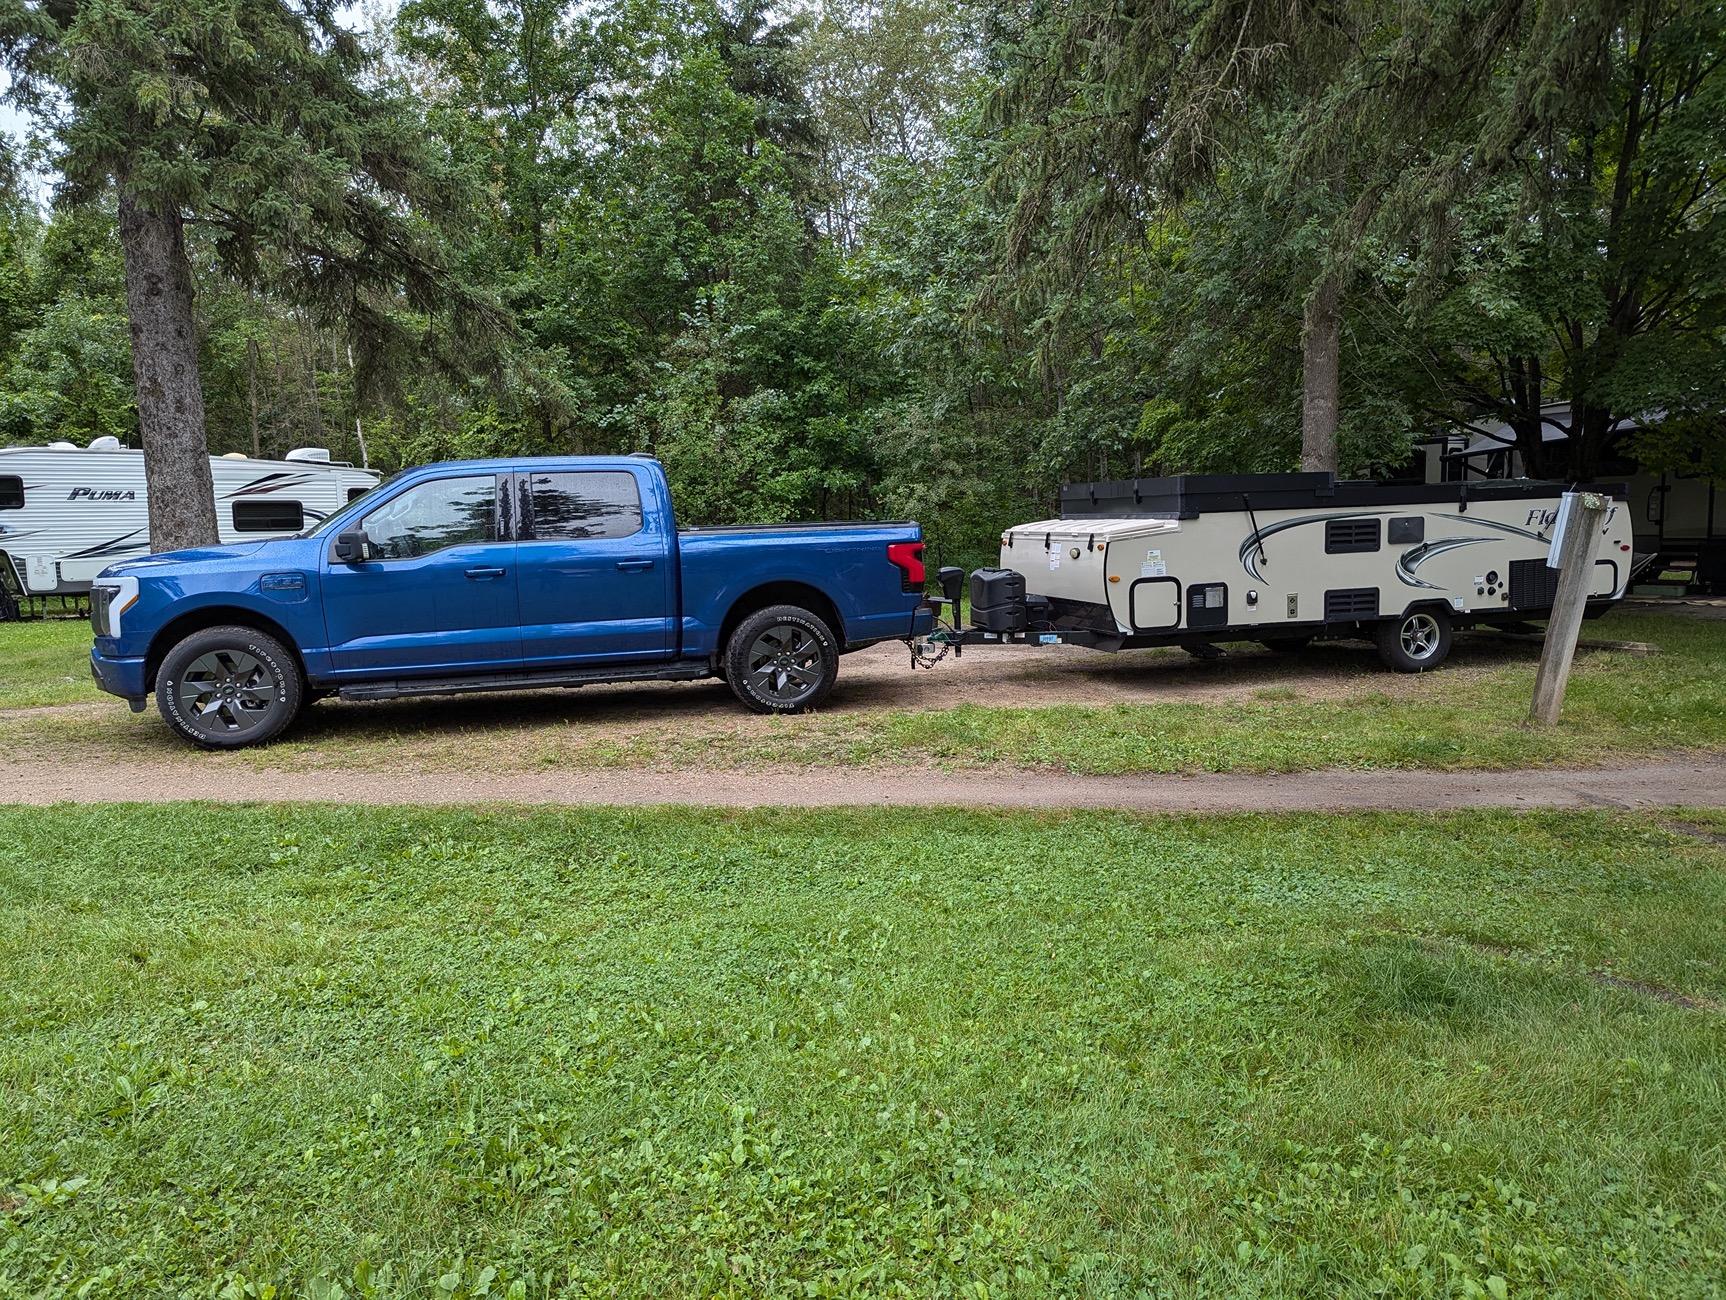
pixel 493 575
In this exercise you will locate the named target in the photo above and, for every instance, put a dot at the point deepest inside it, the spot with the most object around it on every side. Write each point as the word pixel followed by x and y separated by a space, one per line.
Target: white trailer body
pixel 66 514
pixel 1293 556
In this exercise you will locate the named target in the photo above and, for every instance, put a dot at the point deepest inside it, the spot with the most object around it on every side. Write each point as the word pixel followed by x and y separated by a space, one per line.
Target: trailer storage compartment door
pixel 1156 604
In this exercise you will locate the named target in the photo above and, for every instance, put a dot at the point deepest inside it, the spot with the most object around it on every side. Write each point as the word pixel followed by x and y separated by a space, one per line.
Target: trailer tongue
pixel 1282 559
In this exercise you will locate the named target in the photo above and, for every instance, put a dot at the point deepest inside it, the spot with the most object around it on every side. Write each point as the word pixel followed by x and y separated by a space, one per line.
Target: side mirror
pixel 350 548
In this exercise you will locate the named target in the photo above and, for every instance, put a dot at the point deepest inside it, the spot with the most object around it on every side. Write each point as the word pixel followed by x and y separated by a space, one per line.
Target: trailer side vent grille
pixel 1342 536
pixel 1347 604
pixel 1208 604
pixel 1532 584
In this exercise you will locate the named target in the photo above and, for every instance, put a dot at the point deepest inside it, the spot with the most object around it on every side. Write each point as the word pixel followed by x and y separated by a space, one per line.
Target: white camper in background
pixel 66 514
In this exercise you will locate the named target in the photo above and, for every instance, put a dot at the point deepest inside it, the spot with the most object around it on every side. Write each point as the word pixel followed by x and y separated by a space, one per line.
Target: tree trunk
pixel 252 393
pixel 1321 361
pixel 165 371
pixel 359 429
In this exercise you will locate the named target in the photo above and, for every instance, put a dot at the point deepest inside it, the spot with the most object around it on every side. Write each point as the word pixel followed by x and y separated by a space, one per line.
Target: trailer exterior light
pixel 907 557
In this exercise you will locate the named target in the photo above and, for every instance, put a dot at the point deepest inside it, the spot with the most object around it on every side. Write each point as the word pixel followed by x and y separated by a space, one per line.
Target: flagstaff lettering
pixel 1544 519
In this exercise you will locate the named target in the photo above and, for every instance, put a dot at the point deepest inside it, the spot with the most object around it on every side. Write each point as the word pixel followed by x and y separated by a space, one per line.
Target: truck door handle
pixel 634 566
pixel 481 575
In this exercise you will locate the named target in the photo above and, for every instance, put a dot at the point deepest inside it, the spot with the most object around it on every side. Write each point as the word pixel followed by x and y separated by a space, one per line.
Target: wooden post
pixel 1587 512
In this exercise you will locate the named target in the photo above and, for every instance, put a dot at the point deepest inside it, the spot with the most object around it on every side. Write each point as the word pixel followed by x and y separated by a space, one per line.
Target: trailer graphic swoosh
pixel 1256 538
pixel 269 483
pixel 1478 522
pixel 116 546
pixel 1414 557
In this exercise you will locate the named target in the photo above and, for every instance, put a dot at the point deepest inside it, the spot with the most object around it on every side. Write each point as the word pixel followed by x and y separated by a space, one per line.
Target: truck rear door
pixel 597 571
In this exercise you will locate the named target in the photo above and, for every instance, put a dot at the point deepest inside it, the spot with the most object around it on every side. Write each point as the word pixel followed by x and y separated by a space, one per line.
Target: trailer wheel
pixel 229 687
pixel 1417 641
pixel 8 604
pixel 781 659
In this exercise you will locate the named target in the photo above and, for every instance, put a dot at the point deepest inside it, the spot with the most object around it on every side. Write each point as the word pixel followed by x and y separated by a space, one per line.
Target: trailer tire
pixel 229 687
pixel 1416 642
pixel 781 659
pixel 8 604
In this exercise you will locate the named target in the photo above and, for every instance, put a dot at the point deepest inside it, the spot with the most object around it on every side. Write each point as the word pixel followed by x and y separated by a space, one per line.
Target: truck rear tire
pixel 1416 642
pixel 781 659
pixel 229 687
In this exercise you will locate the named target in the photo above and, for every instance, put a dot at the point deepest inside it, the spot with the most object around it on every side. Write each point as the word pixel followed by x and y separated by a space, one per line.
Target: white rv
pixel 1677 519
pixel 66 514
pixel 1284 559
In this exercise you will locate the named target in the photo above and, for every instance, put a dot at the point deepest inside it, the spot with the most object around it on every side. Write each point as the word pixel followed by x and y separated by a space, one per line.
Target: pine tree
pixel 255 121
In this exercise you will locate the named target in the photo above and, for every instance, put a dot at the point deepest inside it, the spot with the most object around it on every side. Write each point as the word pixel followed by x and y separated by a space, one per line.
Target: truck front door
pixel 437 591
pixel 596 568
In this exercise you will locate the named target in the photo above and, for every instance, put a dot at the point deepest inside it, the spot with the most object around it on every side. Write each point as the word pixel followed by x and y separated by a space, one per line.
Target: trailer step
pixel 400 688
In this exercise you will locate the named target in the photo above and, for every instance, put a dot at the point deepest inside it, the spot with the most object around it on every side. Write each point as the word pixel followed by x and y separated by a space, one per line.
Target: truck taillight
pixel 907 557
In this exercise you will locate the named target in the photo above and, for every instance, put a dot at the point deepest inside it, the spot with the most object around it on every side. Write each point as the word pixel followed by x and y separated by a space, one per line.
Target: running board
pixel 391 690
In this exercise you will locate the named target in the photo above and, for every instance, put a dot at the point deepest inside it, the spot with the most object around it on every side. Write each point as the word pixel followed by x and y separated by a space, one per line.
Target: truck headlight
pixel 110 598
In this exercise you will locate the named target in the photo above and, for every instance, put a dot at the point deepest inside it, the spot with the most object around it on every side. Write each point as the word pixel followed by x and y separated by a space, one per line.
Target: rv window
pixel 1342 536
pixel 354 494
pixel 11 492
pixel 268 517
pixel 585 505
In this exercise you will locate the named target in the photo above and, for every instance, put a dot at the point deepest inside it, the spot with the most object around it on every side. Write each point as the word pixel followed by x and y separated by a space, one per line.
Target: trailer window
pixel 269 516
pixel 11 492
pixel 354 494
pixel 585 505
pixel 1341 536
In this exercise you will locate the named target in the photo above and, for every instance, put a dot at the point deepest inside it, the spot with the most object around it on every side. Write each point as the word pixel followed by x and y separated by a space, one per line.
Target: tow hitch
pixel 1001 615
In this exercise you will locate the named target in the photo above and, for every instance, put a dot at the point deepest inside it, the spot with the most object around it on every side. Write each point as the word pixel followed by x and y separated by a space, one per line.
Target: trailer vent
pixel 1208 605
pixel 1532 584
pixel 1350 604
pixel 1342 536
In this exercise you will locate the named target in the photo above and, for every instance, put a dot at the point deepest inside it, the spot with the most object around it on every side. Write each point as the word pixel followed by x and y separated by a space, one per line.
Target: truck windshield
pixel 317 530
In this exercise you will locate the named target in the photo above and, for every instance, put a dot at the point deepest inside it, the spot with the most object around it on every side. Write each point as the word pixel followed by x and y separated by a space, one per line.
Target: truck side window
pixel 445 512
pixel 11 492
pixel 585 505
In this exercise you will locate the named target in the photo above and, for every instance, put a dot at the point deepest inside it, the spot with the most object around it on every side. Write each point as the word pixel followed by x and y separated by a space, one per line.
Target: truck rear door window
pixel 11 492
pixel 269 516
pixel 585 505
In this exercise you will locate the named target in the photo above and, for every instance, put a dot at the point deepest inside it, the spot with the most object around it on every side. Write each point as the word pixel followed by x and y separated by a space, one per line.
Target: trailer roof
pixel 1188 496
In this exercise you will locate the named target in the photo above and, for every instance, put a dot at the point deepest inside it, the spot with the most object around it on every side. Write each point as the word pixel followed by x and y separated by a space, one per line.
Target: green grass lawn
pixel 392 1052
pixel 1619 706
pixel 45 663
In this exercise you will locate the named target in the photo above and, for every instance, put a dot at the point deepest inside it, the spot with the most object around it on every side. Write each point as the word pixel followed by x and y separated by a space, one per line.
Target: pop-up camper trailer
pixel 1283 559
pixel 66 514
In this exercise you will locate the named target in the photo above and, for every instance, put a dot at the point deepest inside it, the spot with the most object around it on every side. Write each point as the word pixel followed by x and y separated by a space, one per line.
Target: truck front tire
pixel 781 659
pixel 228 687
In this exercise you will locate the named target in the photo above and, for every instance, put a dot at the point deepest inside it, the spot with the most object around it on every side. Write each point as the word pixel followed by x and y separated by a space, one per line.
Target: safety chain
pixel 921 658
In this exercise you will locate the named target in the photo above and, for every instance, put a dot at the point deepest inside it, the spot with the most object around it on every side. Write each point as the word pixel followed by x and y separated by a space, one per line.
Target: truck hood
pixel 191 555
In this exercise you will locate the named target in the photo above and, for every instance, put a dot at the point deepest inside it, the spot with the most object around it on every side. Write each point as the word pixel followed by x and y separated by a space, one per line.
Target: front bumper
pixel 122 677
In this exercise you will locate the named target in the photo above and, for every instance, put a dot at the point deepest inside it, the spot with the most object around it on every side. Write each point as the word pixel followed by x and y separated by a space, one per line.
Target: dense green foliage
pixel 934 260
pixel 375 1053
